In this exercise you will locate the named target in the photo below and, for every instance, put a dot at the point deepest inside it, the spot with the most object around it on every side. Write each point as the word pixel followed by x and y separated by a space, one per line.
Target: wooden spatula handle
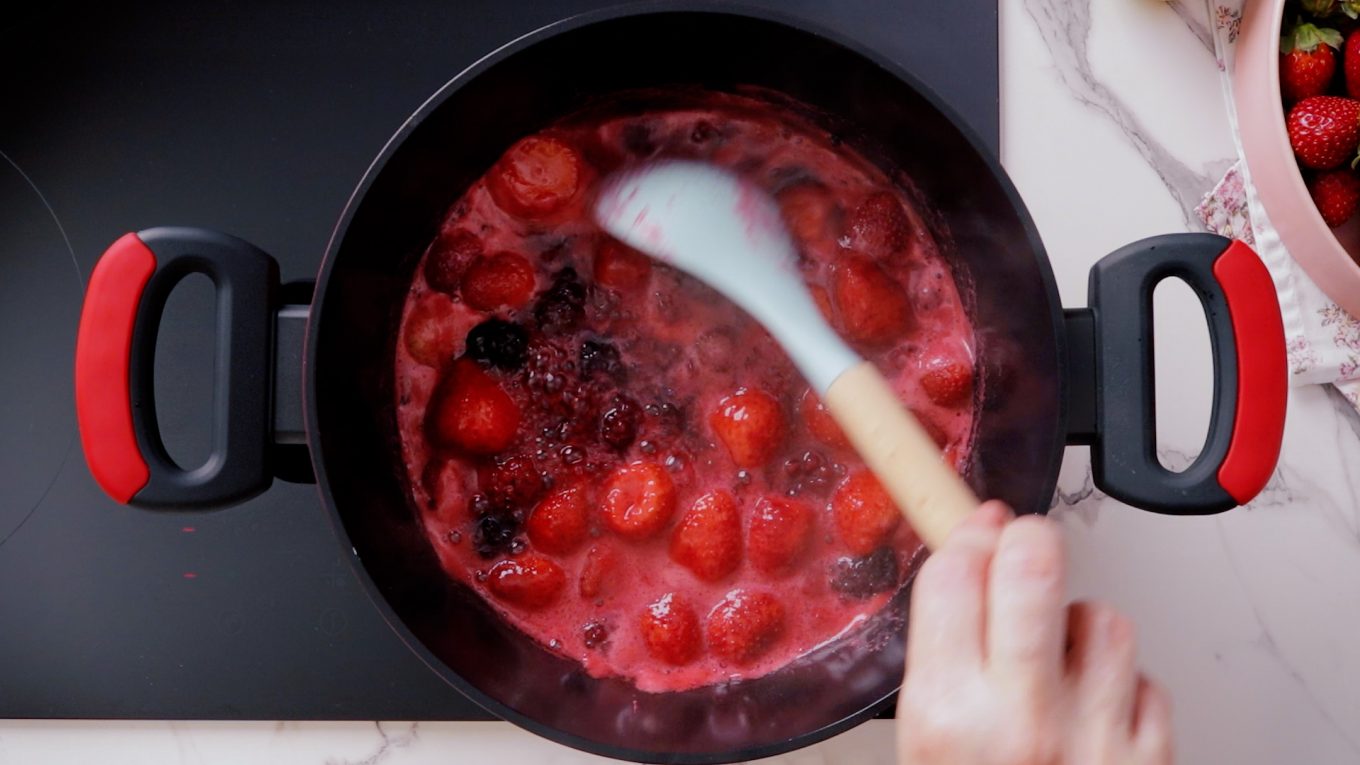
pixel 900 452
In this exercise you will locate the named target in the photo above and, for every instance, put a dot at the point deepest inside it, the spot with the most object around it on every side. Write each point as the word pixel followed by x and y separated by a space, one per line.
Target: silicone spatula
pixel 728 233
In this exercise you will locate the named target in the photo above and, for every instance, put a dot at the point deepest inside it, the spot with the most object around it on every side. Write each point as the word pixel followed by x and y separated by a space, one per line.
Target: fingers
pixel 948 599
pixel 1102 664
pixel 1152 732
pixel 1026 617
pixel 1110 694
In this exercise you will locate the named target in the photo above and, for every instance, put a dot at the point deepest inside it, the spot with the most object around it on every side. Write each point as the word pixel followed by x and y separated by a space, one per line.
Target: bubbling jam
pixel 623 463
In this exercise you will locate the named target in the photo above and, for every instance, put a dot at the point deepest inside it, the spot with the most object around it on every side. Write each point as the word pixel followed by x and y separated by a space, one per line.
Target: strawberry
pixel 530 581
pixel 823 301
pixel 560 522
pixel 780 530
pixel 820 423
pixel 953 457
pixel 878 227
pixel 599 566
pixel 503 279
pixel 935 430
pixel 707 541
pixel 872 308
pixel 638 500
pixel 619 266
pixel 1336 194
pixel 716 349
pixel 471 412
pixel 513 481
pixel 1324 130
pixel 1308 61
pixel 864 513
pixel 671 630
pixel 536 177
pixel 429 333
pixel 947 382
pixel 1350 64
pixel 744 625
pixel 450 255
pixel 750 424
pixel 809 211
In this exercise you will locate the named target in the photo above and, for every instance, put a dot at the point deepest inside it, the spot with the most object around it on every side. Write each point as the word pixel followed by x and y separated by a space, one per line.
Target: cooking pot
pixel 304 383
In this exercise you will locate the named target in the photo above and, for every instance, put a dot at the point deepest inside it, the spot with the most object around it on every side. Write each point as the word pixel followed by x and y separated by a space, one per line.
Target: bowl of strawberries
pixel 1296 90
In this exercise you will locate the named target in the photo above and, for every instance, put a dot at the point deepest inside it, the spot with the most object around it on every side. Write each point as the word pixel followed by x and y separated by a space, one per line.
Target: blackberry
pixel 864 577
pixel 595 634
pixel 512 481
pixel 601 357
pixel 810 472
pixel 500 343
pixel 563 305
pixel 619 423
pixel 494 533
pixel 479 505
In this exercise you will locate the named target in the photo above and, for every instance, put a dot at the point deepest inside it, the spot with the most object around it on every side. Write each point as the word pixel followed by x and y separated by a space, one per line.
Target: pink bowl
pixel 1326 255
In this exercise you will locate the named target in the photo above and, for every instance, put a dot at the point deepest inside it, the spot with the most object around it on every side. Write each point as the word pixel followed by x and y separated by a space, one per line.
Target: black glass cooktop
pixel 257 119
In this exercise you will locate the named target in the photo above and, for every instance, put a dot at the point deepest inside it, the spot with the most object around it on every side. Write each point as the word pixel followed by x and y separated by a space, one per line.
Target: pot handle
pixel 115 350
pixel 1246 424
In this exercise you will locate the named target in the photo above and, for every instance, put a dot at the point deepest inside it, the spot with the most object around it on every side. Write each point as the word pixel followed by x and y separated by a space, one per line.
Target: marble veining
pixel 1268 645
pixel 388 744
pixel 1262 657
pixel 1066 30
pixel 1197 25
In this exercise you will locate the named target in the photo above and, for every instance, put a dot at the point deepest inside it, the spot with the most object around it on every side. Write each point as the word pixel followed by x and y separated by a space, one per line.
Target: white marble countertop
pixel 1113 128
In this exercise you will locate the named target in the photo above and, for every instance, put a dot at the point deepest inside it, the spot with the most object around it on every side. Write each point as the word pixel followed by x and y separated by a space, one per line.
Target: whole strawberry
pixel 1350 64
pixel 1308 61
pixel 1324 130
pixel 1336 194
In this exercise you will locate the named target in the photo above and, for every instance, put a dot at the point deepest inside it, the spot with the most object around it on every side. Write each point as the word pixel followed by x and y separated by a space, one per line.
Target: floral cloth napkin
pixel 1321 339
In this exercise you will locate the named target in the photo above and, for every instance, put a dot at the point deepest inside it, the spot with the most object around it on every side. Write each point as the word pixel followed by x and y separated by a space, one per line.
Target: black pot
pixel 294 378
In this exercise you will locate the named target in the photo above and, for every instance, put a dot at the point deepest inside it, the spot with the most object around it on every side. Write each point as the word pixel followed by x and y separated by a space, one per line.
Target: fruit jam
pixel 624 464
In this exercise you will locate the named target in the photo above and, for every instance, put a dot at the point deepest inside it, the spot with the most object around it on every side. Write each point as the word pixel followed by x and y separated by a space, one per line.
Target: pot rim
pixel 375 168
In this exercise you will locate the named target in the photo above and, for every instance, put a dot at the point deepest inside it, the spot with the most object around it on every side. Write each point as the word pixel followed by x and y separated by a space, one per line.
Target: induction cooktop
pixel 258 119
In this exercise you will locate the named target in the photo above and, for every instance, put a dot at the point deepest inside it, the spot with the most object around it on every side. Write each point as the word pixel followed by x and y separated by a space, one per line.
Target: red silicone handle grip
pixel 1262 376
pixel 103 356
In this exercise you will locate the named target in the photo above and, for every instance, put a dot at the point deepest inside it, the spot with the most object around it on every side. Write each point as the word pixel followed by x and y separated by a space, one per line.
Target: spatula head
pixel 728 233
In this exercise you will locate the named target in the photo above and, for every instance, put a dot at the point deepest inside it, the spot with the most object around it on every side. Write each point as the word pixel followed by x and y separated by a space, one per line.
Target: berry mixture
pixel 624 464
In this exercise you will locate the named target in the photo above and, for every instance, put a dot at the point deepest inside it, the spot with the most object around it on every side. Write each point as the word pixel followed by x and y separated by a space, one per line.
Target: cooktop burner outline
pixel 14 516
pixel 256 119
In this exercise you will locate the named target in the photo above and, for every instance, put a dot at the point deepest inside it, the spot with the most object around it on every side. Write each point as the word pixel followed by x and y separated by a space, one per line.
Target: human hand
pixel 1001 671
